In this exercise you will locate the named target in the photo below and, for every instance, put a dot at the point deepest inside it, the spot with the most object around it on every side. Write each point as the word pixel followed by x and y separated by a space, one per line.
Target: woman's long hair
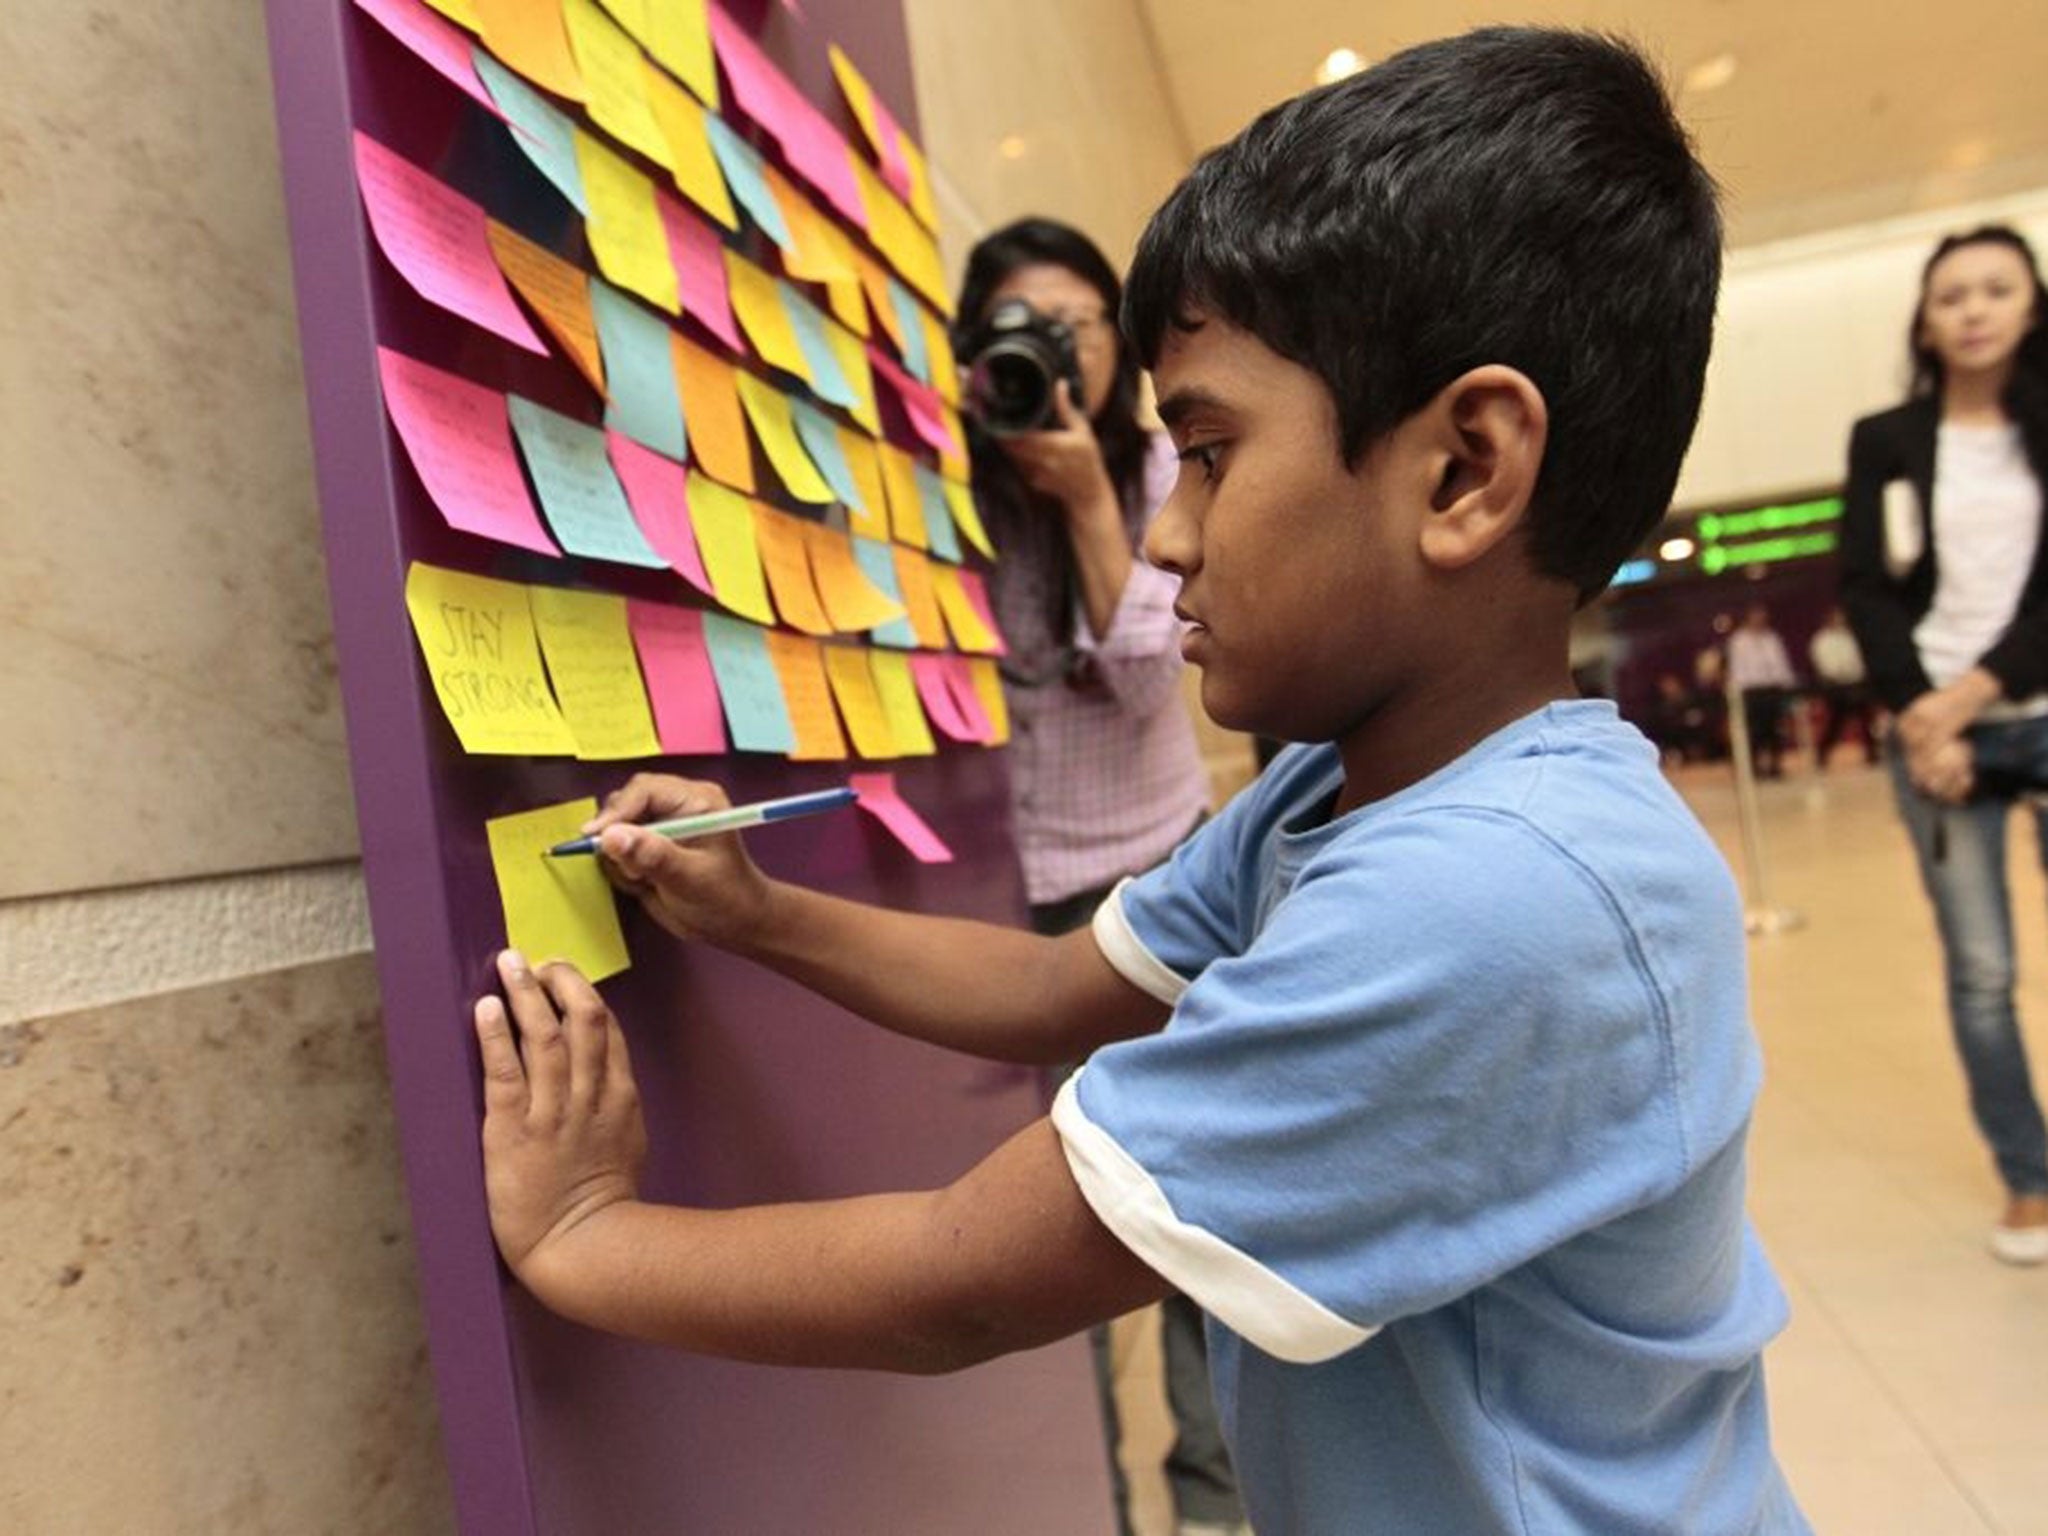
pixel 1030 532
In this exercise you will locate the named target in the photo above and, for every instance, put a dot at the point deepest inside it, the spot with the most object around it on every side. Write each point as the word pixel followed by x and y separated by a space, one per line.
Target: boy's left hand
pixel 563 1135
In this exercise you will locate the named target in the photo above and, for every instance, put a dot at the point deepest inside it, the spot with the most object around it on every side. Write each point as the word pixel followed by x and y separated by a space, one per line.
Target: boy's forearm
pixel 1002 993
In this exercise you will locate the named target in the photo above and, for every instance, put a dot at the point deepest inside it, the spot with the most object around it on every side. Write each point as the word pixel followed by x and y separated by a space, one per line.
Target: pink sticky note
pixel 977 599
pixel 680 683
pixel 816 150
pixel 439 241
pixel 698 256
pixel 459 436
pixel 442 45
pixel 895 169
pixel 935 688
pixel 880 798
pixel 972 712
pixel 657 489
pixel 922 404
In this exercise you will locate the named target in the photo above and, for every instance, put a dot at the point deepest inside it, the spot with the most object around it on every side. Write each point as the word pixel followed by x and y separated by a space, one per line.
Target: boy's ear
pixel 1489 428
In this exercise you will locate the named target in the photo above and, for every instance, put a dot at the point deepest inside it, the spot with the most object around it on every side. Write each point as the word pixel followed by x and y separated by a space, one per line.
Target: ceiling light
pixel 1337 64
pixel 1012 146
pixel 1710 74
pixel 1675 549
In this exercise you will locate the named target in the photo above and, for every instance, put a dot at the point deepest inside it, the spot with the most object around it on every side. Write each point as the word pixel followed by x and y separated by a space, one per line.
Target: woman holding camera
pixel 1945 579
pixel 1106 775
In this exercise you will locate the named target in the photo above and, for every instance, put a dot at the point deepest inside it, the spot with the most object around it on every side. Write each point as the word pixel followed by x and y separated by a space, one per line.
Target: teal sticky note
pixel 748 686
pixel 815 430
pixel 579 492
pixel 938 520
pixel 820 361
pixel 642 400
pixel 544 136
pixel 917 360
pixel 879 566
pixel 741 164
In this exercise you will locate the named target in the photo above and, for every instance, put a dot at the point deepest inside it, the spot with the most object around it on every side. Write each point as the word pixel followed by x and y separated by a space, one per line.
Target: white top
pixel 1757 659
pixel 1987 522
pixel 1835 656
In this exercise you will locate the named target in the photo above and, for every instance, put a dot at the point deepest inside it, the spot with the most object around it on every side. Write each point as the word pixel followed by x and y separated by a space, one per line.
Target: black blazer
pixel 1899 445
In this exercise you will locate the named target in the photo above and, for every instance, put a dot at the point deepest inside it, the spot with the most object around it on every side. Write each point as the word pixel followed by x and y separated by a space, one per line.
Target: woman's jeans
pixel 1961 849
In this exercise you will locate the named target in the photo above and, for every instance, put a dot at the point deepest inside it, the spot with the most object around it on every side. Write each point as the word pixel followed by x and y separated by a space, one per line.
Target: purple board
pixel 755 1091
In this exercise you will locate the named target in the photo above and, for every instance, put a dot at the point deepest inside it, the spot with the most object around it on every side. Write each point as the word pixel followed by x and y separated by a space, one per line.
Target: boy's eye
pixel 1205 454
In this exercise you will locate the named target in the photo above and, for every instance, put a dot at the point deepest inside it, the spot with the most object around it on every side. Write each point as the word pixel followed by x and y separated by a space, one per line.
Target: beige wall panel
pixel 168 689
pixel 208 1301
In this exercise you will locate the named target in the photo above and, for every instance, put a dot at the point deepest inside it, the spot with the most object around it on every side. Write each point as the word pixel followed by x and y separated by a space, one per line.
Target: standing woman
pixel 1106 777
pixel 1946 585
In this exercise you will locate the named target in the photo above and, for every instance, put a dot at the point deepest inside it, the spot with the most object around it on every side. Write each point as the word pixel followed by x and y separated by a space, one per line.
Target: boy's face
pixel 1301 579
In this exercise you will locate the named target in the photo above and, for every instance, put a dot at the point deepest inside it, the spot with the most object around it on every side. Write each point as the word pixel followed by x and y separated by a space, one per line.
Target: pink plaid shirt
pixel 1105 775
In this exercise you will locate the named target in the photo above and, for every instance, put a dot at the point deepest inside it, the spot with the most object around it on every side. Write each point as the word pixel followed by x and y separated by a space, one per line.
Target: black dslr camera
pixel 1016 358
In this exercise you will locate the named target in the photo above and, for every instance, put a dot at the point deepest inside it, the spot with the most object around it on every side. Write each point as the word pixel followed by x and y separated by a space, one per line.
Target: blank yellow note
pixel 711 410
pixel 759 307
pixel 853 686
pixel 938 344
pixel 689 148
pixel 852 602
pixel 556 909
pixel 897 689
pixel 477 638
pixel 596 672
pixel 914 581
pixel 969 633
pixel 967 517
pixel 724 524
pixel 528 37
pixel 625 229
pixel 613 70
pixel 906 505
pixel 786 557
pixel 678 34
pixel 768 409
pixel 461 12
pixel 988 687
pixel 868 517
pixel 559 294
pixel 800 664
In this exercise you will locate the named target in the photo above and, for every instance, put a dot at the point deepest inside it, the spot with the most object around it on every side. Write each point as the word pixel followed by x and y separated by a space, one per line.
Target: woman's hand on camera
pixel 1064 461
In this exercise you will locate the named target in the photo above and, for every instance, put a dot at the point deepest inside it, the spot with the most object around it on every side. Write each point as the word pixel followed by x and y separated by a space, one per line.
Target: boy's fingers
pixel 643 859
pixel 619 1089
pixel 584 1021
pixel 504 1077
pixel 542 1047
pixel 653 796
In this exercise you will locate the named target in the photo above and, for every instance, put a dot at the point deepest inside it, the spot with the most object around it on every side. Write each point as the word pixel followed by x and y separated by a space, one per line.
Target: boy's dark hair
pixel 1516 195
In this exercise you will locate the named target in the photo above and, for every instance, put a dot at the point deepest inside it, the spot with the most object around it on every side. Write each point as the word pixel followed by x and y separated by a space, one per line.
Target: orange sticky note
pixel 528 36
pixel 852 602
pixel 760 310
pixel 624 227
pixel 853 687
pixel 800 664
pixel 906 506
pixel 768 409
pixel 914 581
pixel 785 556
pixel 723 521
pixel 690 159
pixel 968 631
pixel 711 410
pixel 813 255
pixel 869 516
pixel 558 292
pixel 874 283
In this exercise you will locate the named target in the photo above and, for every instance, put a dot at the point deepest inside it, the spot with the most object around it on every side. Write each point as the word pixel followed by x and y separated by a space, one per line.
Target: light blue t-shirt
pixel 1446 1135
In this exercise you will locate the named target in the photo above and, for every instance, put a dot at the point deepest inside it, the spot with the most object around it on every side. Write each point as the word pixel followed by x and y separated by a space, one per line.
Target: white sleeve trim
pixel 1127 954
pixel 1271 1312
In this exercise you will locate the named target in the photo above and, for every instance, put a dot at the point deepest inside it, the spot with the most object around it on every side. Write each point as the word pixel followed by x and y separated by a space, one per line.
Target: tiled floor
pixel 1910 1394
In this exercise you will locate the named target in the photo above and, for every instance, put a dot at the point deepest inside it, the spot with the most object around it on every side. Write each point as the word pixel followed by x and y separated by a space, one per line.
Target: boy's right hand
pixel 701 888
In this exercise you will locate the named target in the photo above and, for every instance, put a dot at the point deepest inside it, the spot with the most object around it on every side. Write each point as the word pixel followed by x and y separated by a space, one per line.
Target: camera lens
pixel 1010 386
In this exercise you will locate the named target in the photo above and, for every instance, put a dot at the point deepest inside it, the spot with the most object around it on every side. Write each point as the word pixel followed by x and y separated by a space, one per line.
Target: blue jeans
pixel 1961 849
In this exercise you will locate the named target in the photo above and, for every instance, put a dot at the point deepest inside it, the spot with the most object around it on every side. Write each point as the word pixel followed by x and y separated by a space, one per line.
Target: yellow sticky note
pixel 596 672
pixel 868 517
pixel 906 506
pixel 690 159
pixel 477 638
pixel 967 517
pixel 678 34
pixel 903 242
pixel 914 581
pixel 969 632
pixel 461 12
pixel 953 461
pixel 852 602
pixel 556 909
pixel 853 686
pixel 800 664
pixel 528 38
pixel 613 71
pixel 897 690
pixel 922 203
pixel 723 521
pixel 938 346
pixel 711 410
pixel 760 311
pixel 624 227
pixel 852 354
pixel 768 409
pixel 786 557
pixel 559 294
pixel 988 687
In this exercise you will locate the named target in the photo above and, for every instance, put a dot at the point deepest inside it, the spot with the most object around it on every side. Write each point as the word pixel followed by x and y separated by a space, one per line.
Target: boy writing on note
pixel 1425 1067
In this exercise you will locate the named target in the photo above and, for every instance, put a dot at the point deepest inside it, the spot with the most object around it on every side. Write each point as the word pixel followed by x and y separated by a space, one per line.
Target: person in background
pixel 1946 587
pixel 1838 668
pixel 1761 672
pixel 1106 775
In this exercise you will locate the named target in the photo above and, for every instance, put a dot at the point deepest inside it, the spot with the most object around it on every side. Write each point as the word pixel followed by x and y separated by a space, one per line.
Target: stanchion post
pixel 1759 914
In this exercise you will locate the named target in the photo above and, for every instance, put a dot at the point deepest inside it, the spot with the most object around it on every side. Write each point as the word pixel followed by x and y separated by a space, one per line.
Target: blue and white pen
pixel 731 819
